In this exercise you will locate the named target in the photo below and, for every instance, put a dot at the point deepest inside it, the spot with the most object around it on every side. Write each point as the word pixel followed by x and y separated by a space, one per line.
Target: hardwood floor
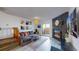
pixel 7 44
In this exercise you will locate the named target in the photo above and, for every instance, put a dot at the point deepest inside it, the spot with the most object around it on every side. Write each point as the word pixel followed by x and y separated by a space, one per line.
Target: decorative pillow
pixel 26 33
pixel 22 34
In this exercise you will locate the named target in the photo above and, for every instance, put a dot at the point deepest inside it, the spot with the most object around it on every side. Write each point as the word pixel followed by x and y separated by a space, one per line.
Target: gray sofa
pixel 27 39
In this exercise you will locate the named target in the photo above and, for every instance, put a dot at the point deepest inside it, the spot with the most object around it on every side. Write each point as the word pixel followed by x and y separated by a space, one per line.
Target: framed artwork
pixel 30 23
pixel 22 28
pixel 27 22
pixel 27 28
pixel 22 22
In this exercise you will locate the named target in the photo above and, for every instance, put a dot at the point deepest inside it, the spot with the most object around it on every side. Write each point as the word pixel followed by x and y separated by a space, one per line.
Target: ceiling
pixel 30 12
pixel 77 12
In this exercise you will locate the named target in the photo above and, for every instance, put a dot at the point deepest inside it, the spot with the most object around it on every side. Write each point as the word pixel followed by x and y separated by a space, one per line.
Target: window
pixel 46 28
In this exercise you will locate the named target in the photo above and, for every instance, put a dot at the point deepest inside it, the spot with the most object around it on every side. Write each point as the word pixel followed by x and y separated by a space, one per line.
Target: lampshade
pixel 36 20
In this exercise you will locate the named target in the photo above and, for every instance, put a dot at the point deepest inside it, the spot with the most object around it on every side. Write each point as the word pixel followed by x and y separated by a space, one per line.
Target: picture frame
pixel 22 28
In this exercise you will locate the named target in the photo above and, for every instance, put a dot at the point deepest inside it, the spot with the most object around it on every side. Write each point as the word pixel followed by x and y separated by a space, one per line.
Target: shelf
pixel 25 30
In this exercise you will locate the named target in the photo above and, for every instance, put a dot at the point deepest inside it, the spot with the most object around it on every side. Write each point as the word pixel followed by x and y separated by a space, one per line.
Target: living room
pixel 28 28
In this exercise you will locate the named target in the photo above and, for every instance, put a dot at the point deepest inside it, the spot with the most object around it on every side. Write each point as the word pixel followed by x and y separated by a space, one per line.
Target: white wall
pixel 12 21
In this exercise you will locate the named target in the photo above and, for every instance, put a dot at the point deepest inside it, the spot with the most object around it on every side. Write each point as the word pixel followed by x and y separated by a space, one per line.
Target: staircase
pixel 8 44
